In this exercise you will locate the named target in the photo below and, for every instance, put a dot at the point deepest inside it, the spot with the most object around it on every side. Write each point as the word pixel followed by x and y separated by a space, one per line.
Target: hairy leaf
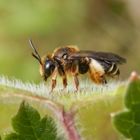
pixel 28 125
pixel 128 122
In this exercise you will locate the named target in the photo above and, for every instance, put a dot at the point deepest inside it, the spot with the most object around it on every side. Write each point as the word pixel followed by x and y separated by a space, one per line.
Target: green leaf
pixel 123 122
pixel 28 125
pixel 132 99
pixel 13 136
pixel 128 122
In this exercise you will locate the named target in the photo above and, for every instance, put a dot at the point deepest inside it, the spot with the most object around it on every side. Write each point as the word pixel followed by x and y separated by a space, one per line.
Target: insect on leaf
pixel 28 125
pixel 128 122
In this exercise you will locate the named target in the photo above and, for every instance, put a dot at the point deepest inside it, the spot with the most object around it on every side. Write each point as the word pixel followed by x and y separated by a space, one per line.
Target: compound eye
pixel 47 66
pixel 65 56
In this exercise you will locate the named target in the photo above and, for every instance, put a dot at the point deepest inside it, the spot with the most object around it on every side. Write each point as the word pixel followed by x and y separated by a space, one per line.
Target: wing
pixel 99 56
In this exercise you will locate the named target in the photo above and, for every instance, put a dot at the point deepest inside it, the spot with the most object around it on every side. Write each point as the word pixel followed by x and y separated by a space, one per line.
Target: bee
pixel 70 59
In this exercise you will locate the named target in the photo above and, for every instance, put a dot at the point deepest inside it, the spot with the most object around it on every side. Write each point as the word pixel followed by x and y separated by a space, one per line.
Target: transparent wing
pixel 99 56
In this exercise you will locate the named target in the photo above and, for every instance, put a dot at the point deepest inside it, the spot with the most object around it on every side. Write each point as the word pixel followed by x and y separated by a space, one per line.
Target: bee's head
pixel 47 68
pixel 47 64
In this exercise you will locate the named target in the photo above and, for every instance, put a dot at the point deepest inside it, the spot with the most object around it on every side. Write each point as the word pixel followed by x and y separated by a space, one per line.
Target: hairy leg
pixel 64 82
pixel 76 81
pixel 53 85
pixel 54 76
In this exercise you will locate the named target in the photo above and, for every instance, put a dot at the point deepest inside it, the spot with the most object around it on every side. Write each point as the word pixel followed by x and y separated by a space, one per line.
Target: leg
pixel 76 81
pixel 54 76
pixel 53 85
pixel 63 76
pixel 64 82
pixel 118 74
pixel 103 80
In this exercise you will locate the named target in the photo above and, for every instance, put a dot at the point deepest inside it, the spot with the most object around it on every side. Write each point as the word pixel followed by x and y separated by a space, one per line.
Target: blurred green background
pixel 101 25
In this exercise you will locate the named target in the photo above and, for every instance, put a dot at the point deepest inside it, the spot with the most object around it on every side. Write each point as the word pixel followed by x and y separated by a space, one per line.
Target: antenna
pixel 36 55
